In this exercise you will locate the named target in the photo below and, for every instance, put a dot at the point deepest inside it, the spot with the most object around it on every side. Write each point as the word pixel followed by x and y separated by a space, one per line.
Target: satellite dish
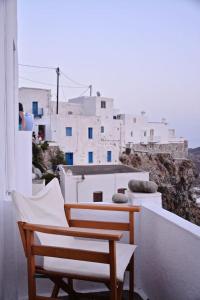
pixel 98 94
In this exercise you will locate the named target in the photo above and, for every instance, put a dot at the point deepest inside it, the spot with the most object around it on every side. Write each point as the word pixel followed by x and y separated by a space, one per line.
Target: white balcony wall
pixel 23 155
pixel 168 256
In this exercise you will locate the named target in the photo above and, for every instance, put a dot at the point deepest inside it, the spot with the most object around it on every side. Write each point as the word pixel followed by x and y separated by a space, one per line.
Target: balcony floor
pixel 99 296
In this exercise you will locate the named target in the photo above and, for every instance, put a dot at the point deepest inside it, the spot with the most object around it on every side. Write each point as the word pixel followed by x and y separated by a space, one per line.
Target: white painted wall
pixel 76 189
pixel 43 97
pixel 168 255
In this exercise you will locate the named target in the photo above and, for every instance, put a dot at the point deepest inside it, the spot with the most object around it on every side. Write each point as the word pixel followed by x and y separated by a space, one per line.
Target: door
pixel 69 158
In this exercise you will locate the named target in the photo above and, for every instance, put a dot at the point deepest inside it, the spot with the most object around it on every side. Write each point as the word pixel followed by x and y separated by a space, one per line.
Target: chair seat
pixel 91 269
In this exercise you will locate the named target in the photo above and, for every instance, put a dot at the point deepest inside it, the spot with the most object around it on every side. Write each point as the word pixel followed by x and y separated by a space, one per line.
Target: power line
pixel 50 84
pixel 74 81
pixel 38 67
pixel 84 92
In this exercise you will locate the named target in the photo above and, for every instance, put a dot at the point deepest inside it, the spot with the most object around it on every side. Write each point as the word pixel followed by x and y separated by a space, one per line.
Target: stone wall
pixel 177 150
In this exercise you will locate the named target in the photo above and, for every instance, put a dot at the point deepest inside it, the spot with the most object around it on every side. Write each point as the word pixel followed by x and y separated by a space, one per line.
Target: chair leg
pixel 120 291
pixel 131 279
pixel 55 291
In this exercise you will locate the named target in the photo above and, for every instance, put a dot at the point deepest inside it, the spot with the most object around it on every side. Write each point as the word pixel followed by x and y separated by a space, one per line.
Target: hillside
pixel 175 178
pixel 194 155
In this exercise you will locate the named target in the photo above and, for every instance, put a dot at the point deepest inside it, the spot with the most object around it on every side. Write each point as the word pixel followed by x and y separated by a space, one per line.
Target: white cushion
pixel 99 270
pixel 46 208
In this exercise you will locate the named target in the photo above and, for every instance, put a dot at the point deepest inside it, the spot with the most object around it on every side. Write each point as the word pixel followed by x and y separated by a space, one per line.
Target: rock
pixel 140 186
pixel 37 172
pixel 119 198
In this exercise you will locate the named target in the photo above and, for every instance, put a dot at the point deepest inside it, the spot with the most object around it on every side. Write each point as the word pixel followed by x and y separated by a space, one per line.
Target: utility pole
pixel 57 95
pixel 90 87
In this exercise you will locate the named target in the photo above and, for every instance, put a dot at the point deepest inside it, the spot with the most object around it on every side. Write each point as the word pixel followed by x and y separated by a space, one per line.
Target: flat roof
pixel 100 169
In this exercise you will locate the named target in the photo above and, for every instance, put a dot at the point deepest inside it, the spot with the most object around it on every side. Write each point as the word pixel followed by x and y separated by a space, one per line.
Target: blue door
pixel 69 158
pixel 35 108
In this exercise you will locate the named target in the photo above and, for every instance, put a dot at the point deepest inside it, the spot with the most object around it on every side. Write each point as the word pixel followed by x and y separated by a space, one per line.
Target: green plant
pixel 44 146
pixel 48 177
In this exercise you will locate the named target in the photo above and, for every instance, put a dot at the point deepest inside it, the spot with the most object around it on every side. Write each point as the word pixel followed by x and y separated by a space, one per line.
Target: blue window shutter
pixel 35 108
pixel 90 157
pixel 109 156
pixel 90 133
pixel 68 131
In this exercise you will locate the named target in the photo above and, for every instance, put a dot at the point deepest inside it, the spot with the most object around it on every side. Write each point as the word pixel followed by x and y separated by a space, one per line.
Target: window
pixel 134 120
pixel 90 132
pixel 70 113
pixel 69 158
pixel 97 196
pixel 145 133
pixel 90 157
pixel 68 131
pixel 103 104
pixel 35 108
pixel 131 133
pixel 109 156
pixel 102 129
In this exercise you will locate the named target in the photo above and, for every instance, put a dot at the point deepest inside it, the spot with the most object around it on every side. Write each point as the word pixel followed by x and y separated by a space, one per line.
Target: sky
pixel 145 54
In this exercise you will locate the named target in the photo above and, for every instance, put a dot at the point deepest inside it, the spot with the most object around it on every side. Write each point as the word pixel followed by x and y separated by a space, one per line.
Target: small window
pixel 131 133
pixel 102 129
pixel 145 133
pixel 90 132
pixel 90 157
pixel 68 131
pixel 134 120
pixel 70 113
pixel 103 104
pixel 97 196
pixel 109 156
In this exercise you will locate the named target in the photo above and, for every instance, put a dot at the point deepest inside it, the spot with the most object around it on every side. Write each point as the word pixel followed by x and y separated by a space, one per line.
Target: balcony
pixel 167 263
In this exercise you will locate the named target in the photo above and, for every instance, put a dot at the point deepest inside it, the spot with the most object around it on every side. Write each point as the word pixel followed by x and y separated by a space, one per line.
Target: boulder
pixel 139 186
pixel 119 198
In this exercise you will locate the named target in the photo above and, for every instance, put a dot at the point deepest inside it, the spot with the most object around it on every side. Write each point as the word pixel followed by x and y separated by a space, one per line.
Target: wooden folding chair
pixel 65 255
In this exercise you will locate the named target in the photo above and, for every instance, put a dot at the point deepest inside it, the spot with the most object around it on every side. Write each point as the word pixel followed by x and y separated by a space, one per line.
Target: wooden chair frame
pixel 83 229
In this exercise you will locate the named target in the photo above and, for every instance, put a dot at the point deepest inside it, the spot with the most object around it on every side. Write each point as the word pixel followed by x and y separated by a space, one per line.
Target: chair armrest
pixel 75 232
pixel 112 207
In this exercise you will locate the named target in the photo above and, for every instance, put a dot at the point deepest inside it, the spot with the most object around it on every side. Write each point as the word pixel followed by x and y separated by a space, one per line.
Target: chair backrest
pixel 46 208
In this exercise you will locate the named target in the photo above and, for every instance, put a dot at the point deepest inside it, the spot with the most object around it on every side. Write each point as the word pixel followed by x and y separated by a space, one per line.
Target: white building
pixel 96 183
pixel 89 130
pixel 38 102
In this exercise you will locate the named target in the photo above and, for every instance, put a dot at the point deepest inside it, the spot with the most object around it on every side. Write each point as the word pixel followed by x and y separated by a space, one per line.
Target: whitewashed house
pixel 97 183
pixel 38 103
pixel 90 131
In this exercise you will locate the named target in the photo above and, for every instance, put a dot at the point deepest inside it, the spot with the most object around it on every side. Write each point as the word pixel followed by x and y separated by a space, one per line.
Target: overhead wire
pixel 72 80
pixel 50 84
pixel 39 67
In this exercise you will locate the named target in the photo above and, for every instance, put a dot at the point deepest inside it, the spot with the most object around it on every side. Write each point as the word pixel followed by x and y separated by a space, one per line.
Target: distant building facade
pixel 89 130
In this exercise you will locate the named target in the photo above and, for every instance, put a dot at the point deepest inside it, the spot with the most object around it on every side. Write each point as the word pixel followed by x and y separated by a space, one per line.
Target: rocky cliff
pixel 175 178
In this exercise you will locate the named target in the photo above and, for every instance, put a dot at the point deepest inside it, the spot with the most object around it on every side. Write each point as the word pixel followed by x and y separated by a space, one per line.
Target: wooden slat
pixel 23 236
pixel 70 253
pixel 99 225
pixel 113 270
pixel 94 206
pixel 74 231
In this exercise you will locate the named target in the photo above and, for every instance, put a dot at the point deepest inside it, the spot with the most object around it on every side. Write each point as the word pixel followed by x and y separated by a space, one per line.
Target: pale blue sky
pixel 144 53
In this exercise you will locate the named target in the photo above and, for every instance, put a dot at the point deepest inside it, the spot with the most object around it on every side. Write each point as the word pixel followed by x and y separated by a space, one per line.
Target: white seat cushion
pixel 99 270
